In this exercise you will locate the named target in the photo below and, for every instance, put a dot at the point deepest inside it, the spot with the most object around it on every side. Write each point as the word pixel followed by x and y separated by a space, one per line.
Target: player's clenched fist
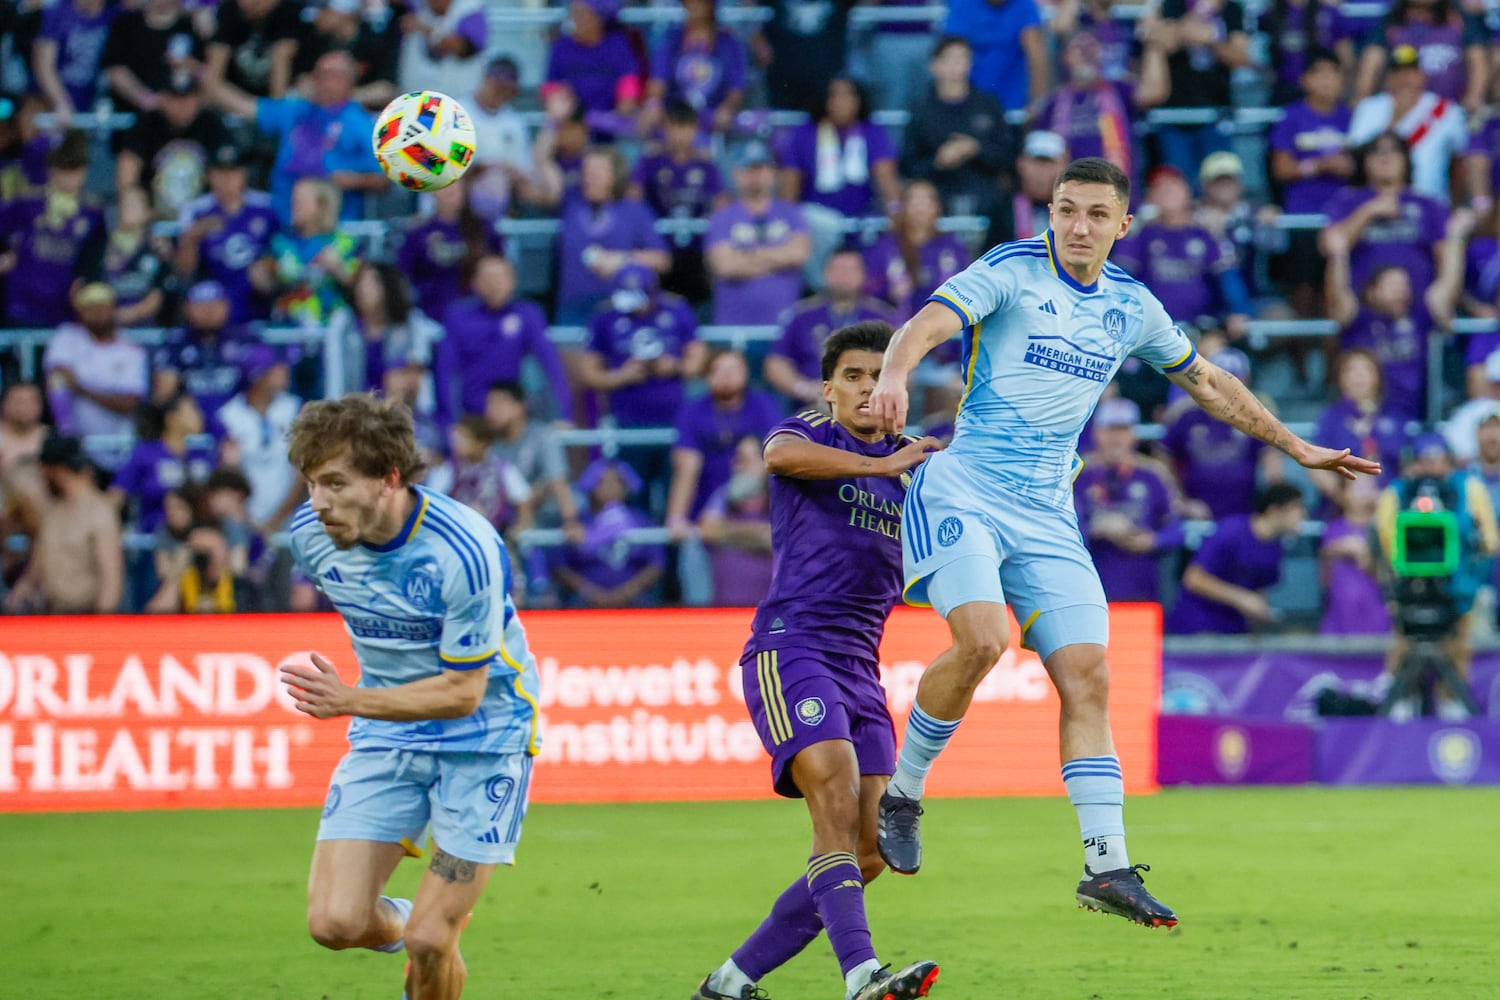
pixel 888 406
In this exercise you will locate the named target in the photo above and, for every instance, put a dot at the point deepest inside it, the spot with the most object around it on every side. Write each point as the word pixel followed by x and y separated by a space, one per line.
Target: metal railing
pixel 27 342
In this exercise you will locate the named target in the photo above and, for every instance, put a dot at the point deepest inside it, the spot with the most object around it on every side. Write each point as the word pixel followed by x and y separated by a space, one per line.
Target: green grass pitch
pixel 1283 893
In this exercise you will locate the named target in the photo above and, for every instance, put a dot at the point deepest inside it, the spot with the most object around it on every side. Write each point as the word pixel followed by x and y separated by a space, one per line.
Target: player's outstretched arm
pixel 931 326
pixel 321 693
pixel 795 457
pixel 1225 397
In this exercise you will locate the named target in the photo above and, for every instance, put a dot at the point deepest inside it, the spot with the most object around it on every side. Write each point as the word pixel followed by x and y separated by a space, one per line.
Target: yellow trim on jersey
pixel 768 675
pixel 1078 464
pixel 904 590
pixel 1031 620
pixel 961 310
pixel 411 849
pixel 1183 358
pixel 969 375
pixel 1051 251
pixel 467 659
pixel 536 711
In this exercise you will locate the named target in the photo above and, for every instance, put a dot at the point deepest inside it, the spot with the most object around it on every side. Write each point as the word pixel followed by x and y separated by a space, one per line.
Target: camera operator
pixel 1430 483
pixel 203 581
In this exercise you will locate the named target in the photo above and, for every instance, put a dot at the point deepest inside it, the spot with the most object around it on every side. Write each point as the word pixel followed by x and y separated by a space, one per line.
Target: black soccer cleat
pixel 899 832
pixel 910 983
pixel 751 992
pixel 1123 893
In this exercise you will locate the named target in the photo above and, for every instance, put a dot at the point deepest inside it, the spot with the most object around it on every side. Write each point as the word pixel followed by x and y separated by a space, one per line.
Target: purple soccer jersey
pixel 891 280
pixel 1092 119
pixel 809 323
pixel 664 330
pixel 152 471
pixel 678 190
pixel 605 558
pixel 1440 49
pixel 1216 463
pixel 1405 242
pixel 482 346
pixel 1310 135
pixel 50 255
pixel 593 72
pixel 700 77
pixel 619 225
pixel 80 46
pixel 755 301
pixel 838 165
pixel 1380 435
pixel 1180 265
pixel 1232 554
pixel 225 254
pixel 432 256
pixel 1140 493
pixel 1485 141
pixel 715 431
pixel 837 551
pixel 210 367
pixel 1354 602
pixel 1401 346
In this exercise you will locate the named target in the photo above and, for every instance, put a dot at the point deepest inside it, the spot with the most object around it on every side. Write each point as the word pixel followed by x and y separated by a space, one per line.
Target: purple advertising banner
pixel 1423 752
pixel 1284 685
pixel 1202 751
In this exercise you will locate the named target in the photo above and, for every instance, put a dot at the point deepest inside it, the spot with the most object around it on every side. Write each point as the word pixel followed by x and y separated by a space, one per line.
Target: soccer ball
pixel 424 140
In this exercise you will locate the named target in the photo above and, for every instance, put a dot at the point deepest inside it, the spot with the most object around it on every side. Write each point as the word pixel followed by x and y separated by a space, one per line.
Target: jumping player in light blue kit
pixel 445 712
pixel 1046 323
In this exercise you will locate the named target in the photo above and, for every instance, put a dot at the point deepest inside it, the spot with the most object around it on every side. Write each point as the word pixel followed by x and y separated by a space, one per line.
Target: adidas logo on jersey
pixel 1048 308
pixel 333 575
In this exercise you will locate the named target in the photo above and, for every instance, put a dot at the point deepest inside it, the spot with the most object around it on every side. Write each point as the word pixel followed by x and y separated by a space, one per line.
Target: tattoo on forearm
pixel 450 869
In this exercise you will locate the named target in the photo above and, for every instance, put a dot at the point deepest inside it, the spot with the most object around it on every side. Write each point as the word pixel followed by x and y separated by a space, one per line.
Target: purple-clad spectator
pixel 1389 316
pixel 700 63
pixel 1010 48
pixel 501 173
pixel 1193 272
pixel 1434 128
pixel 95 376
pixel 802 47
pixel 1221 590
pixel 606 569
pixel 254 44
pixel 735 527
pixel 641 346
pixel 164 458
pixel 709 429
pixel 906 264
pixel 557 154
pixel 438 254
pixel 596 61
pixel 488 336
pixel 1352 600
pixel 1207 42
pixel 1449 43
pixel 145 49
pixel 1116 34
pixel 224 232
pixel 756 246
pixel 67 54
pixel 167 150
pixel 1300 33
pixel 1386 223
pixel 383 330
pixel 1217 465
pixel 1127 506
pixel 441 44
pixel 53 241
pixel 957 137
pixel 794 366
pixel 132 265
pixel 681 182
pixel 1096 115
pixel 1358 420
pixel 205 356
pixel 326 137
pixel 479 477
pixel 602 233
pixel 1310 160
pixel 842 161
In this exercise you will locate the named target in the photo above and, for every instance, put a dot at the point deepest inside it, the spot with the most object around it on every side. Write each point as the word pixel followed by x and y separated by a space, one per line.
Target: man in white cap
pixel 1043 155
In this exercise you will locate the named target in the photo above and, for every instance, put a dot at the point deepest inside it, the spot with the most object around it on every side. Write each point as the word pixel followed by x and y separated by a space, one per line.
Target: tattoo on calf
pixel 445 866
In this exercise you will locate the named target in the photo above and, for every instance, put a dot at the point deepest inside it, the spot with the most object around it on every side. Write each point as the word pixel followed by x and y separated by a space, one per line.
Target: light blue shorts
pixel 963 540
pixel 474 801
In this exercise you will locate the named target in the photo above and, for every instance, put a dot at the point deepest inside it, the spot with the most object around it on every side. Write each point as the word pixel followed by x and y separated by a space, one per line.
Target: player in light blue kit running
pixel 1047 322
pixel 445 713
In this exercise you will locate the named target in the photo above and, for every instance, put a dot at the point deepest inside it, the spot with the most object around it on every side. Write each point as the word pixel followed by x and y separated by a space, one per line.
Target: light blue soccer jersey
pixel 434 598
pixel 1038 350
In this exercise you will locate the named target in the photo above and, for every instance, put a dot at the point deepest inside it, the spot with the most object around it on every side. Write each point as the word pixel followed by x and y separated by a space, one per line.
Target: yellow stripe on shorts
pixel 771 696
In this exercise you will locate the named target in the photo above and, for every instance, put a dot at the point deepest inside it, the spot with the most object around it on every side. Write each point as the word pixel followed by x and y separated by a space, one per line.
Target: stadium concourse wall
pixel 188 711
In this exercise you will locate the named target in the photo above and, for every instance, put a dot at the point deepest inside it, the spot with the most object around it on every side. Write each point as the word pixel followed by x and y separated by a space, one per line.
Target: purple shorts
pixel 798 697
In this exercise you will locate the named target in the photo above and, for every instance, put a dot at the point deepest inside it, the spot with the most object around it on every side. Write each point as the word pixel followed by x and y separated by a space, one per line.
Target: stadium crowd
pixel 670 209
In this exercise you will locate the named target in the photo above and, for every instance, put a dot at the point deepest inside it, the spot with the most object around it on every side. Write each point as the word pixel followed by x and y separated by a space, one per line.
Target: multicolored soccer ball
pixel 424 140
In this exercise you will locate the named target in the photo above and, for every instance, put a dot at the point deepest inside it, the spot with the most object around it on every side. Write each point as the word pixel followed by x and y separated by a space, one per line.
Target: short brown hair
pixel 378 434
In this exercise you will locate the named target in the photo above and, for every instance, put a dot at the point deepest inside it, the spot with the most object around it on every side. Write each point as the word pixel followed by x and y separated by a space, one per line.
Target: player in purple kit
pixel 811 668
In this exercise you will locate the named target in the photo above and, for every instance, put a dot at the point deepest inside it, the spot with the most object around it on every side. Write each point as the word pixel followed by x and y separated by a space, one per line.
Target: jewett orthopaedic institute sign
pixel 162 712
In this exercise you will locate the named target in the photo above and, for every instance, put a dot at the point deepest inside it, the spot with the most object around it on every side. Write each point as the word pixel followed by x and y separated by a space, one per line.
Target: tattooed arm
pixel 795 457
pixel 1225 398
